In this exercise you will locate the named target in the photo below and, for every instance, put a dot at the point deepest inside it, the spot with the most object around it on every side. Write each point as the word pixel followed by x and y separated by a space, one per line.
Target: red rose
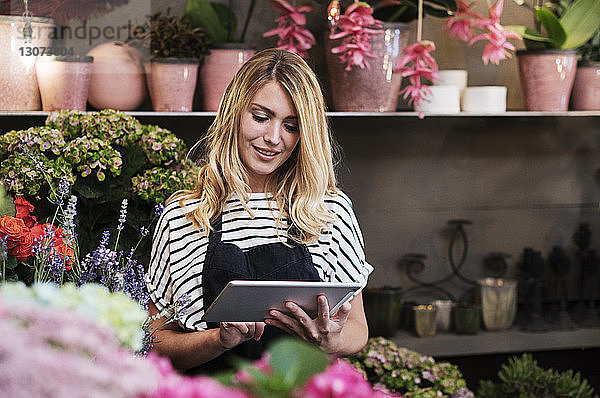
pixel 24 209
pixel 23 250
pixel 14 229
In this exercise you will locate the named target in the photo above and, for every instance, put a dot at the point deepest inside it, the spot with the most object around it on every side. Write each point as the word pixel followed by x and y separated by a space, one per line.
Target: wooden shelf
pixel 508 341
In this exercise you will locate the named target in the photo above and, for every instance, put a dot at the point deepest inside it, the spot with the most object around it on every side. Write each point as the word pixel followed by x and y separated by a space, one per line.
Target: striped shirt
pixel 179 248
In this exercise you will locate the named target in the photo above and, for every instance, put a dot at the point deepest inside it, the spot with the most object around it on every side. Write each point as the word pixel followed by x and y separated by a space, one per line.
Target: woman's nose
pixel 273 133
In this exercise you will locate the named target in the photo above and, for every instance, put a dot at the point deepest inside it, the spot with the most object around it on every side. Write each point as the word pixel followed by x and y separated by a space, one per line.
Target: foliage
pixel 590 51
pixel 576 23
pixel 104 156
pixel 407 372
pixel 171 36
pixel 217 20
pixel 523 377
pixel 407 10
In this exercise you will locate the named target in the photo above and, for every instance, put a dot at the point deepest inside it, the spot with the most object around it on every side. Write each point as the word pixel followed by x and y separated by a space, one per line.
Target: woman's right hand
pixel 233 333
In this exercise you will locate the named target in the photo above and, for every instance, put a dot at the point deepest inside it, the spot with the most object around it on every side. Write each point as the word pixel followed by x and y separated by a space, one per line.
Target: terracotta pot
pixel 547 77
pixel 18 81
pixel 586 89
pixel 218 69
pixel 382 308
pixel 172 84
pixel 64 82
pixel 117 80
pixel 373 89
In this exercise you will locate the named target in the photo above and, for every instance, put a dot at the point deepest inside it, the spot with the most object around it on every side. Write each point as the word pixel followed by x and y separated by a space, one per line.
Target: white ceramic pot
pixel 441 100
pixel 484 99
pixel 498 302
pixel 452 77
pixel 443 314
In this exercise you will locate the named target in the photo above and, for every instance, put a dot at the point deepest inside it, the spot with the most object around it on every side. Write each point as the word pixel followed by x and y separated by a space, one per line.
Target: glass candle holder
pixel 425 320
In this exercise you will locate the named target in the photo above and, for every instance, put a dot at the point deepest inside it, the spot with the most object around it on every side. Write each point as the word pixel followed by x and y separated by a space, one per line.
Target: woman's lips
pixel 265 153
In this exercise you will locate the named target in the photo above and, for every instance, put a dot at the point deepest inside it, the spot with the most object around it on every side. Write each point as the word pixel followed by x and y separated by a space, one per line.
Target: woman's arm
pixel 344 333
pixel 190 349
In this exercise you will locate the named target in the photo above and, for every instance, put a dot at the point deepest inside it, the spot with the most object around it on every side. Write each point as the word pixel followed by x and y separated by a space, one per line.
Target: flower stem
pixel 420 22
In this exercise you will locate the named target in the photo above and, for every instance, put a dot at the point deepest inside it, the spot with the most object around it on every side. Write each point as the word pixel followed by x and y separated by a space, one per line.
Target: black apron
pixel 273 261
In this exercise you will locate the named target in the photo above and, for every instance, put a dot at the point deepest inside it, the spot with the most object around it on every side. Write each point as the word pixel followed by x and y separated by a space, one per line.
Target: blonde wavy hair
pixel 298 186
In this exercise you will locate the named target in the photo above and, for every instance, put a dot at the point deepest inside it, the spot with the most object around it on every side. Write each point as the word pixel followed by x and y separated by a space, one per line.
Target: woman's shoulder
pixel 175 209
pixel 338 199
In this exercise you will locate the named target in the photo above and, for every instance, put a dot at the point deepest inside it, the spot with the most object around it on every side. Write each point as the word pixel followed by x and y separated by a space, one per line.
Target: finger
pixel 282 326
pixel 310 329
pixel 259 330
pixel 322 310
pixel 278 319
pixel 242 327
pixel 251 329
pixel 343 312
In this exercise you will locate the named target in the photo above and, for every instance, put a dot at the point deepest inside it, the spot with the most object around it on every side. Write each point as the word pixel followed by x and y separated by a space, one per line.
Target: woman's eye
pixel 259 118
pixel 291 127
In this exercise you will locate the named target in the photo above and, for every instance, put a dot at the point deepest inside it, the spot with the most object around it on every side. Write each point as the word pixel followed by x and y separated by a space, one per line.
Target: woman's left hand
pixel 324 330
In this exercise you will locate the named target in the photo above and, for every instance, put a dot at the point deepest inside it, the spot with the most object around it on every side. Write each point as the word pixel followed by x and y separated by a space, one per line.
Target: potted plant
pixel 176 51
pixel 364 47
pixel 586 89
pixel 547 68
pixel 228 52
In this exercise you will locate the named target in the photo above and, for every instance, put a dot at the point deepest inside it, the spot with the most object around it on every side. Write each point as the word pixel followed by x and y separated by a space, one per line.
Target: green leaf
pixel 87 191
pixel 581 21
pixel 133 160
pixel 223 13
pixel 7 207
pixel 201 14
pixel 11 262
pixel 556 32
pixel 527 33
pixel 295 361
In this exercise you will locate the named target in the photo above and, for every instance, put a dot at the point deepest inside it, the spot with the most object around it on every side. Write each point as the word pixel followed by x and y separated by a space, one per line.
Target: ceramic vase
pixel 117 80
pixel 172 84
pixel 18 80
pixel 498 302
pixel 547 78
pixel 217 71
pixel 443 317
pixel 586 89
pixel 64 82
pixel 372 89
pixel 382 308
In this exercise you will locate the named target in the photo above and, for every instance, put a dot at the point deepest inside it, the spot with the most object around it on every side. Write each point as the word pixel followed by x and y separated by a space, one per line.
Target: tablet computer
pixel 250 301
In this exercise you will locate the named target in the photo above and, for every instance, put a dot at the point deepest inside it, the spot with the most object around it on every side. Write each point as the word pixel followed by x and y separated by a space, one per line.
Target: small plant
pixel 523 377
pixel 171 36
pixel 217 20
pixel 567 26
pixel 590 51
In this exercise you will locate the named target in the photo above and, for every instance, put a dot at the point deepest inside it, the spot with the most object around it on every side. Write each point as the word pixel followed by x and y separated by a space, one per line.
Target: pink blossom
pixel 495 50
pixel 460 24
pixel 339 380
pixel 293 35
pixel 417 63
pixel 355 28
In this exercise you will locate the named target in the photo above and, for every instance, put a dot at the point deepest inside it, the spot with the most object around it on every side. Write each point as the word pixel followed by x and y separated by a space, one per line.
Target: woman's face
pixel 269 133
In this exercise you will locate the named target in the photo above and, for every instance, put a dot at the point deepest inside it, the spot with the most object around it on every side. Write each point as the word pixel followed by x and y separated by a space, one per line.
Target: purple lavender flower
pixel 123 215
pixel 144 231
pixel 158 209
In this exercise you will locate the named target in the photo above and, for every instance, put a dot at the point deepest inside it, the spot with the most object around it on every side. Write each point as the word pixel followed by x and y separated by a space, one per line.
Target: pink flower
pixel 460 24
pixel 495 50
pixel 356 28
pixel 417 63
pixel 340 380
pixel 293 36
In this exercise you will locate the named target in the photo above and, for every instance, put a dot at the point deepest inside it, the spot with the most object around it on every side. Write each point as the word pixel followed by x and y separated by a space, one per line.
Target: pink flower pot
pixel 547 77
pixel 372 89
pixel 586 89
pixel 218 70
pixel 18 81
pixel 64 82
pixel 172 82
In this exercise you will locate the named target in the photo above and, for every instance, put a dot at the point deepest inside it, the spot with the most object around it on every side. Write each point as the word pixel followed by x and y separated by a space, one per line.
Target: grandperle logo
pixel 91 33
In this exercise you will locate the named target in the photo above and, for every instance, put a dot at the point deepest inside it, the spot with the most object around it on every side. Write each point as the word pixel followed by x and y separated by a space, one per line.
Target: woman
pixel 266 207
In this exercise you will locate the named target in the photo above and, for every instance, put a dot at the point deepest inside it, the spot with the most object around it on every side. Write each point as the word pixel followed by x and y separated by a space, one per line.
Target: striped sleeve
pixel 158 277
pixel 346 254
